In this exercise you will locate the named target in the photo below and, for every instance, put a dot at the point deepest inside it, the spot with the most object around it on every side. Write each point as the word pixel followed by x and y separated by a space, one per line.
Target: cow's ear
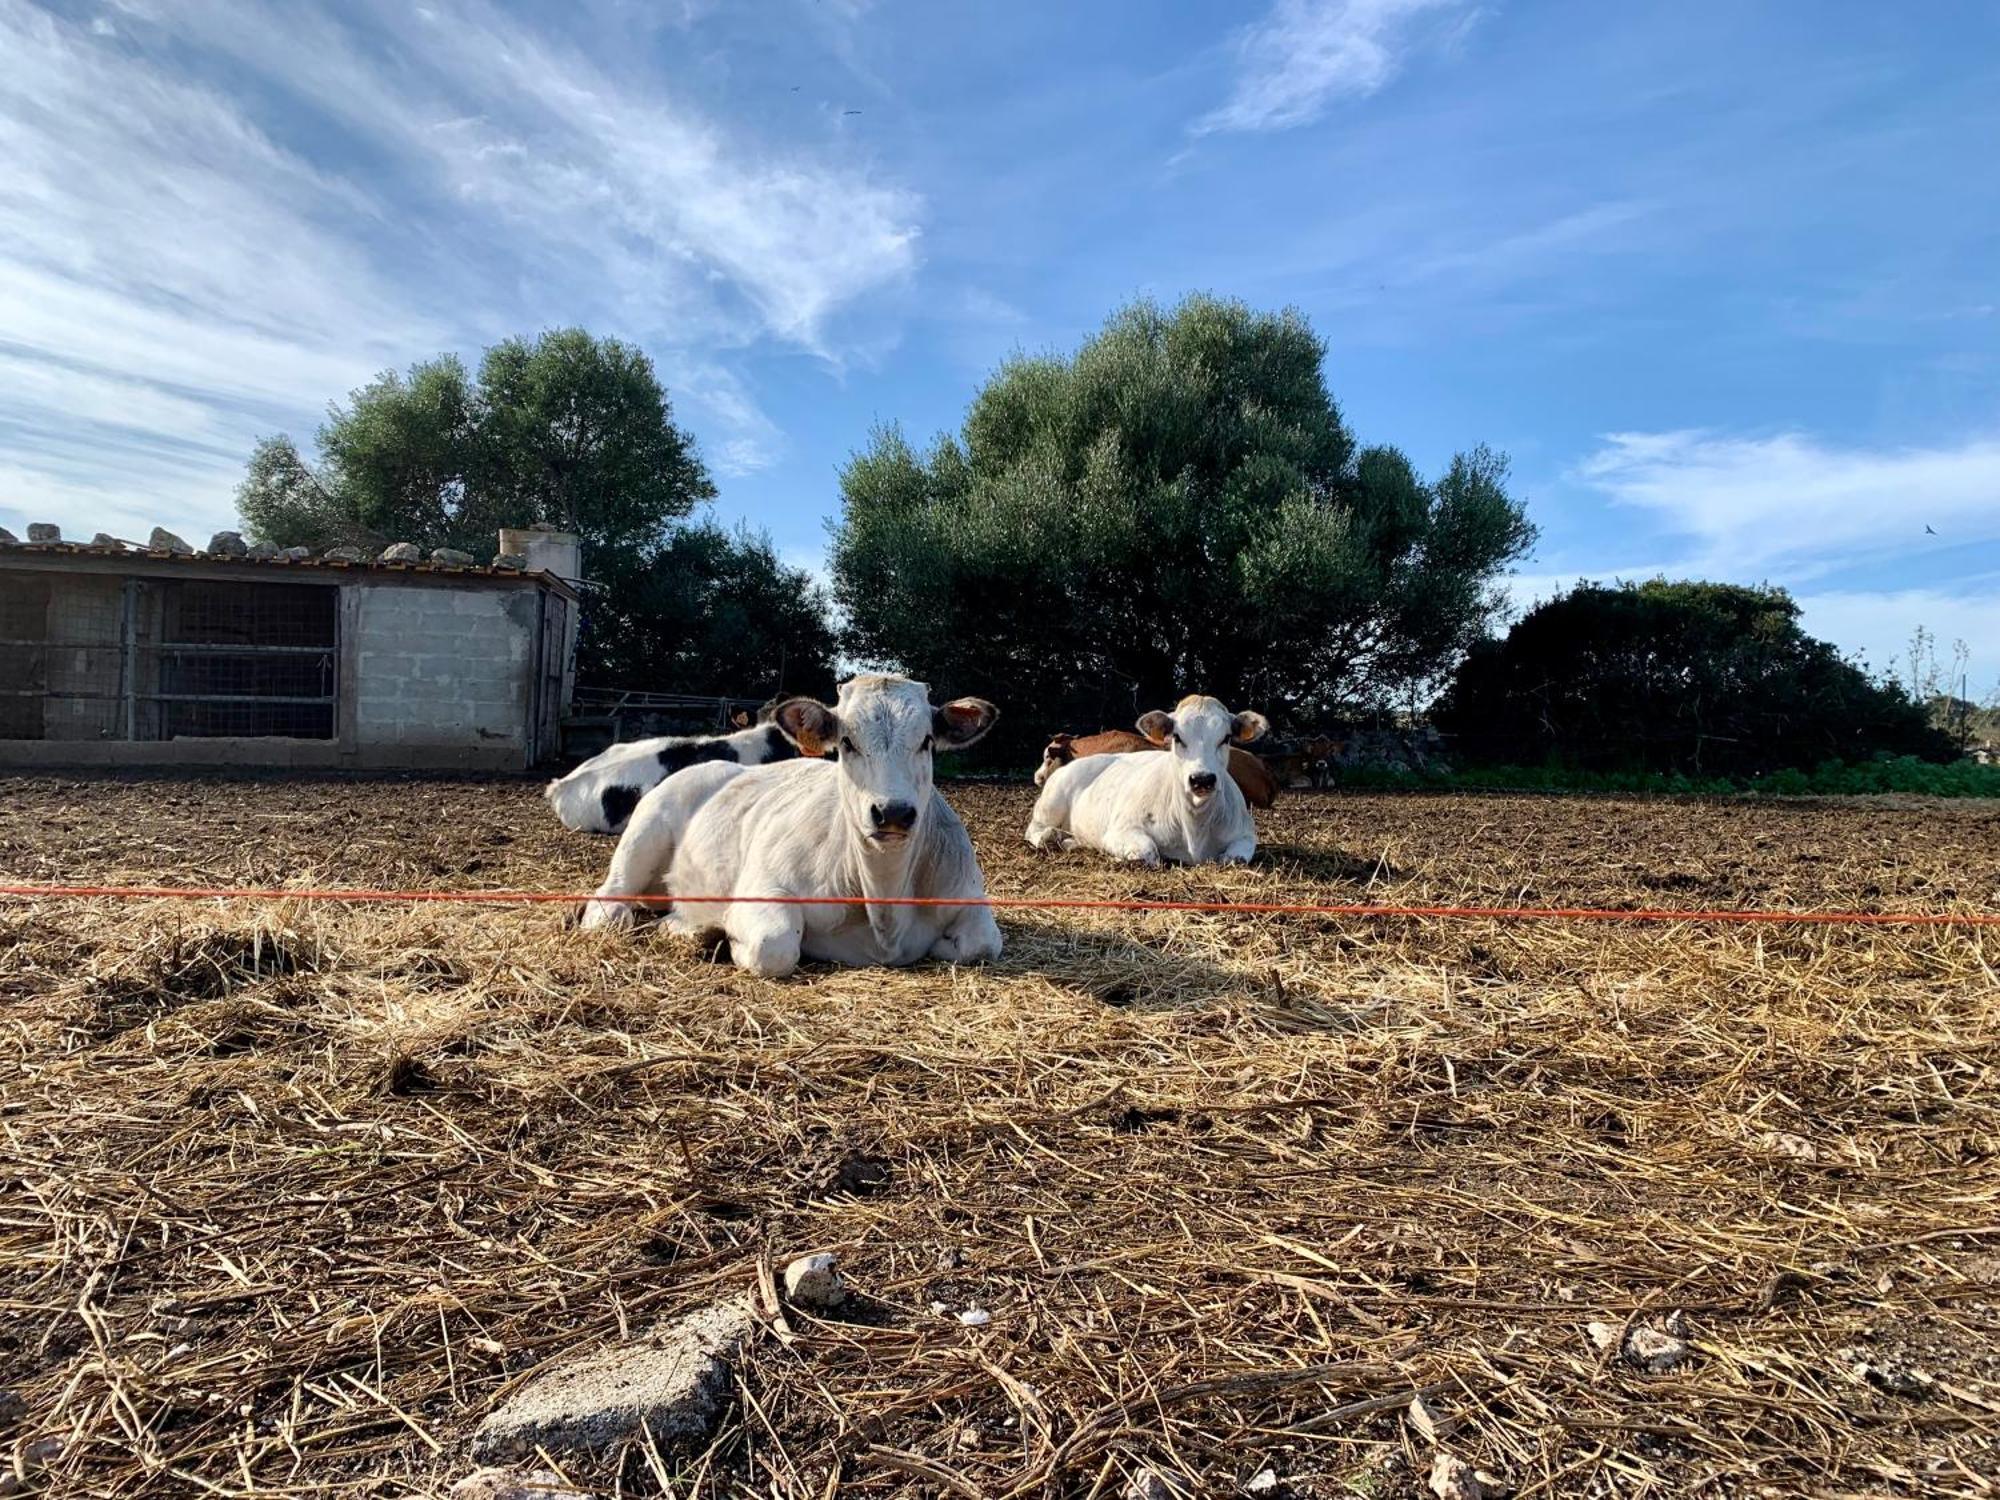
pixel 962 722
pixel 1247 728
pixel 809 724
pixel 1157 726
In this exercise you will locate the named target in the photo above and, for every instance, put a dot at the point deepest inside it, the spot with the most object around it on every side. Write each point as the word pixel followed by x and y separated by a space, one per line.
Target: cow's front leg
pixel 765 940
pixel 1133 844
pixel 641 858
pixel 972 937
pixel 1239 853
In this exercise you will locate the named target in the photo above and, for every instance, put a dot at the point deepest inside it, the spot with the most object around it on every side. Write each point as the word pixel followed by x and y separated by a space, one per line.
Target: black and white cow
pixel 599 795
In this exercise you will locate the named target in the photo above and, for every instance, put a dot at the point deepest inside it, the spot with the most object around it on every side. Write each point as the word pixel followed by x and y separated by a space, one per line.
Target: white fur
pixel 1152 808
pixel 578 798
pixel 804 828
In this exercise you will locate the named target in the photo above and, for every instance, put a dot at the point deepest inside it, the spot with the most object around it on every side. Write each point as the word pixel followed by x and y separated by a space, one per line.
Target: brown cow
pixel 1252 777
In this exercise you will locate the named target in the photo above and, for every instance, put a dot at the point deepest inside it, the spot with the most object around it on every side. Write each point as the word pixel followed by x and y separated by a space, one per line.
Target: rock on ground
pixel 226 544
pixel 402 552
pixel 813 1282
pixel 163 540
pixel 674 1383
pixel 1156 1484
pixel 505 1484
pixel 1455 1479
pixel 1654 1351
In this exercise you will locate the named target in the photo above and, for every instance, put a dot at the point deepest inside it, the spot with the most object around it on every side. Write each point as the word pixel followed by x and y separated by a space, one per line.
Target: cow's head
pixel 1061 751
pixel 1198 734
pixel 885 731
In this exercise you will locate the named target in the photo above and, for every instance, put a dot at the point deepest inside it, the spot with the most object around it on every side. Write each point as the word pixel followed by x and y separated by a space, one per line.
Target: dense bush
pixel 1700 679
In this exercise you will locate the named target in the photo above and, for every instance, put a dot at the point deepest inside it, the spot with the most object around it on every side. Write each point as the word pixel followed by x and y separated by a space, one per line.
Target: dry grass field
pixel 290 1192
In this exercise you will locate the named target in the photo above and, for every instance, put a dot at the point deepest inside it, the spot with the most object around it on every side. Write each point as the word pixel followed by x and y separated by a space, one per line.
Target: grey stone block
pixel 673 1384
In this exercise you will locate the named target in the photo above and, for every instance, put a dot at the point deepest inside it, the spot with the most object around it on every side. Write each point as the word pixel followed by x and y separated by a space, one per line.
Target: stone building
pixel 118 654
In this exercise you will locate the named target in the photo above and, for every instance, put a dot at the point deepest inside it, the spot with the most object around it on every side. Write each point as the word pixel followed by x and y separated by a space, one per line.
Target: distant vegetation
pixel 1907 774
pixel 574 431
pixel 1676 678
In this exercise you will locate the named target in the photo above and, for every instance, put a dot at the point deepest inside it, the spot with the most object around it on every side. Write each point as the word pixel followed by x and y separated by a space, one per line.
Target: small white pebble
pixel 975 1317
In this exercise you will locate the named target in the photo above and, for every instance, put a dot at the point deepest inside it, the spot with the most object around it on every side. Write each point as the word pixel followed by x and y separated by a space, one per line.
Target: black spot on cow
pixel 617 803
pixel 776 746
pixel 679 757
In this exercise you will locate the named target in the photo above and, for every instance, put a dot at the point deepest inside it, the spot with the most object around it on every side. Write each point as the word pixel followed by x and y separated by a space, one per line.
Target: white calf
pixel 599 795
pixel 1182 807
pixel 870 823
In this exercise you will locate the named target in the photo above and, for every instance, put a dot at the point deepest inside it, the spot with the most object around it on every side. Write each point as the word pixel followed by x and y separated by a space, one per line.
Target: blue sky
pixel 1723 278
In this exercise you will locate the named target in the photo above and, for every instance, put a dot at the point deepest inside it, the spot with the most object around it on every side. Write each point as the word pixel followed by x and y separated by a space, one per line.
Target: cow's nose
pixel 900 816
pixel 1202 781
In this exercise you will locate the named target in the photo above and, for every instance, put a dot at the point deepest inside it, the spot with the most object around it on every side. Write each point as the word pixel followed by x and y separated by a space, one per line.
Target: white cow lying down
pixel 869 823
pixel 1182 807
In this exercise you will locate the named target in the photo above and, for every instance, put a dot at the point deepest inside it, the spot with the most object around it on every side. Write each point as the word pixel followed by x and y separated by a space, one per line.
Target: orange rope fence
pixel 1026 903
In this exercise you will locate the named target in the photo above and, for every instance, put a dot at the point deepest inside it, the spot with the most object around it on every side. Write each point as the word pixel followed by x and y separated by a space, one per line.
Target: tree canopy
pixel 1178 507
pixel 574 431
pixel 1703 678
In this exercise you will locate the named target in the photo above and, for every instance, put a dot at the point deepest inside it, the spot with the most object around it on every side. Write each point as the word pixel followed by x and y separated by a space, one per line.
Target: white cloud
pixel 1879 626
pixel 187 261
pixel 1745 504
pixel 1305 54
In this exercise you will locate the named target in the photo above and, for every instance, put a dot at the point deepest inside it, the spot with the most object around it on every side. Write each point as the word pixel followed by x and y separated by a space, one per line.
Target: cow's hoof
pixel 611 916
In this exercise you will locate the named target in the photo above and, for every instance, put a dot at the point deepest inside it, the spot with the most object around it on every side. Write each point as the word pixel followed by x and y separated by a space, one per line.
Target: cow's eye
pixel 924 748
pixel 847 746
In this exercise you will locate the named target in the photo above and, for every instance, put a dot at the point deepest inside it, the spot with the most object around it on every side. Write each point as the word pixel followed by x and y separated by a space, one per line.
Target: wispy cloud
pixel 1748 503
pixel 1305 54
pixel 186 259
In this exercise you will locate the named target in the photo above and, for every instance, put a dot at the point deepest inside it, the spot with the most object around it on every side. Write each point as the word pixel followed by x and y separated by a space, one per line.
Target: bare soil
pixel 289 1192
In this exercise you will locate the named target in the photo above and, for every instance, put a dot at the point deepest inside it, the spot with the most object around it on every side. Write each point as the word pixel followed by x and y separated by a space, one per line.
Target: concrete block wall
pixel 442 672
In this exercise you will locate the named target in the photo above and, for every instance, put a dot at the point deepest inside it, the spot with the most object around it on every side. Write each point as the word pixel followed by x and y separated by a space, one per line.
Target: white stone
pixel 813 1282
pixel 451 557
pixel 402 552
pixel 975 1317
pixel 1784 1143
pixel 297 554
pixel 1154 1484
pixel 342 554
pixel 1263 1482
pixel 1455 1479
